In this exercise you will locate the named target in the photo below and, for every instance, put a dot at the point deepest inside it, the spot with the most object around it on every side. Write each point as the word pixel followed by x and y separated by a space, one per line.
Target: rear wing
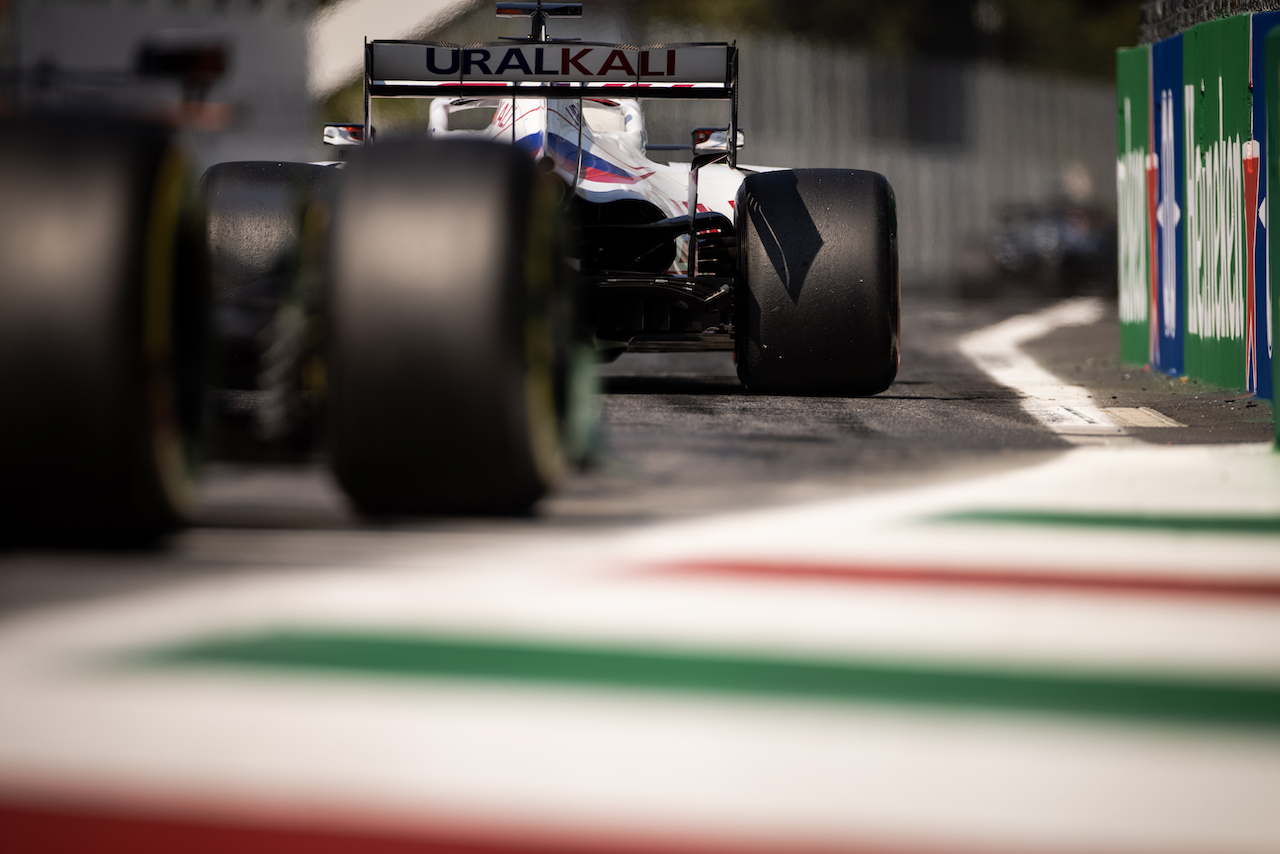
pixel 413 69
pixel 550 69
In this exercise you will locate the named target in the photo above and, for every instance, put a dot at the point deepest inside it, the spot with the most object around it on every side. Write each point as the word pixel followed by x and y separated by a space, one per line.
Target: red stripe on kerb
pixel 1115 583
pixel 28 829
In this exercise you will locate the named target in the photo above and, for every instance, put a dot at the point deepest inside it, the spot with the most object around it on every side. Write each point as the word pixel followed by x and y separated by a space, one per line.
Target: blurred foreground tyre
pixel 101 330
pixel 263 234
pixel 450 384
pixel 818 253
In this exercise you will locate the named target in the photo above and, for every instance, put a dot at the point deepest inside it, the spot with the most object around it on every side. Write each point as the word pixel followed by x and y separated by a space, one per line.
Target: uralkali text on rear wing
pixel 556 70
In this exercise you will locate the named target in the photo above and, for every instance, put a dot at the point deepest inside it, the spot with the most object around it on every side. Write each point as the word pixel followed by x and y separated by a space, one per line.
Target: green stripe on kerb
pixel 1269 525
pixel 1100 695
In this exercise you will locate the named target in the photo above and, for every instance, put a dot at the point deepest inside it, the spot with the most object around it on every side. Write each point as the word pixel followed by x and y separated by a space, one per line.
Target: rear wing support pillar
pixel 733 105
pixel 368 97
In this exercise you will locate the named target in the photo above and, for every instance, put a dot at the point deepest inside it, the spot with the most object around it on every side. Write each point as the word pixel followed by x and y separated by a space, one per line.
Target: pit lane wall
pixel 1192 202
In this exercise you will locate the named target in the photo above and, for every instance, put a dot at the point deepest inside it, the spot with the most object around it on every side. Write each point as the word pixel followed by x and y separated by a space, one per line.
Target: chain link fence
pixel 1163 18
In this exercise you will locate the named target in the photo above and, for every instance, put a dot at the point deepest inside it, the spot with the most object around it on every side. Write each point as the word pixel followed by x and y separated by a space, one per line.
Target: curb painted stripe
pixel 1179 523
pixel 909 576
pixel 1149 698
pixel 58 829
pixel 51 830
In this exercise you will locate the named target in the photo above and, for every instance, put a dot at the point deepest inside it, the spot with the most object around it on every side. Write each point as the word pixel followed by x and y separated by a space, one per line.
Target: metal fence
pixel 1163 18
pixel 959 143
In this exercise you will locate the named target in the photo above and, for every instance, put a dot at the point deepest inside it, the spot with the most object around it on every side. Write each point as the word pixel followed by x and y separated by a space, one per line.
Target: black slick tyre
pixel 447 394
pixel 101 330
pixel 818 298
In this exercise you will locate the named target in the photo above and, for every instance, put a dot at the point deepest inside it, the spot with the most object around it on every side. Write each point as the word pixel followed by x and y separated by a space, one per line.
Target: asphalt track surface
pixel 1028 599
pixel 682 440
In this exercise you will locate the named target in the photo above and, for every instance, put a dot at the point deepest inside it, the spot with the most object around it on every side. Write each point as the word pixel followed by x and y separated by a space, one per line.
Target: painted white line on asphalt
pixel 1141 416
pixel 1067 410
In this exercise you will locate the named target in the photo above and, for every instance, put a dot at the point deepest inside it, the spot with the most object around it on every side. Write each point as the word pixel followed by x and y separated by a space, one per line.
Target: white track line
pixel 1067 410
pixel 1141 416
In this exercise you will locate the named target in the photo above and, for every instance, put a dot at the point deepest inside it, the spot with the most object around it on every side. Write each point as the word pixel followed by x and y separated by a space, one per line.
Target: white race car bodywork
pixel 603 159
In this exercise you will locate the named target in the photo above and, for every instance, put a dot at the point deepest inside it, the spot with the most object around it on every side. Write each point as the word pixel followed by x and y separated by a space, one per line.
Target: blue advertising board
pixel 1170 251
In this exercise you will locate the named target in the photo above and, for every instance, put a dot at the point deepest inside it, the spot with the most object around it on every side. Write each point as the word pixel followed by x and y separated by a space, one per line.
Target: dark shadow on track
pixel 672 385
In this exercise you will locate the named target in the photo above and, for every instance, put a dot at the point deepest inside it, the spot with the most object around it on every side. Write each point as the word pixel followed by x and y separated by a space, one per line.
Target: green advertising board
pixel 1133 98
pixel 1217 120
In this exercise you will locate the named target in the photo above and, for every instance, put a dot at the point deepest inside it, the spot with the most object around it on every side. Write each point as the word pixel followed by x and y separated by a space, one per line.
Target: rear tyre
pixel 451 362
pixel 262 229
pixel 818 301
pixel 101 330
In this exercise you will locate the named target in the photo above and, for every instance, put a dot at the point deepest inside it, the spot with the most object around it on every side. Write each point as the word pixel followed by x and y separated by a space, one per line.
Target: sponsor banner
pixel 1264 89
pixel 578 62
pixel 1170 246
pixel 1220 157
pixel 1133 94
pixel 1271 73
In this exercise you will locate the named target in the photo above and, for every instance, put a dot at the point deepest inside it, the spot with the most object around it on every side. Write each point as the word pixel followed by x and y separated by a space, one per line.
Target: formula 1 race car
pixel 440 304
pixel 470 277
